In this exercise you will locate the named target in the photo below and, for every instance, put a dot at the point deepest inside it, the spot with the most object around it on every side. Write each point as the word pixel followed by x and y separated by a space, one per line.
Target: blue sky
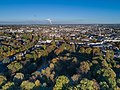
pixel 60 11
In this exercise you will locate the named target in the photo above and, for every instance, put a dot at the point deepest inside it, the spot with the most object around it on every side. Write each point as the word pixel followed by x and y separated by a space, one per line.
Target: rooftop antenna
pixel 49 20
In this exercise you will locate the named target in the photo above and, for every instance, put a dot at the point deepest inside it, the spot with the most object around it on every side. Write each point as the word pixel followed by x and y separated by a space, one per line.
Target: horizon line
pixel 68 24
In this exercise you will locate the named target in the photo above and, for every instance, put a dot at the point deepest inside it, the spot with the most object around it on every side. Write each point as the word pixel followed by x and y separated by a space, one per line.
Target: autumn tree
pixel 84 67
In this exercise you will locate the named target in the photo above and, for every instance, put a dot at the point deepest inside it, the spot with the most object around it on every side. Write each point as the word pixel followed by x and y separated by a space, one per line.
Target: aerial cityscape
pixel 59 45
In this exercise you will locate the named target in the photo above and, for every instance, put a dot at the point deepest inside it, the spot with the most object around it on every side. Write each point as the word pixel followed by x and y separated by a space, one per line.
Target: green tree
pixel 9 86
pixel 3 79
pixel 18 78
pixel 37 83
pixel 86 84
pixel 104 86
pixel 88 50
pixel 6 60
pixel 82 50
pixel 28 56
pixel 15 66
pixel 118 82
pixel 61 82
pixel 26 85
pixel 108 75
pixel 107 55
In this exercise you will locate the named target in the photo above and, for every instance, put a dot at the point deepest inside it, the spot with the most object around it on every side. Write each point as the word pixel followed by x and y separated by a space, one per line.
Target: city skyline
pixel 60 12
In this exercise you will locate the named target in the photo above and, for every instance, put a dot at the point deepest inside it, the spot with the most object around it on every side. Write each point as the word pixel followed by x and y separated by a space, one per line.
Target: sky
pixel 60 11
